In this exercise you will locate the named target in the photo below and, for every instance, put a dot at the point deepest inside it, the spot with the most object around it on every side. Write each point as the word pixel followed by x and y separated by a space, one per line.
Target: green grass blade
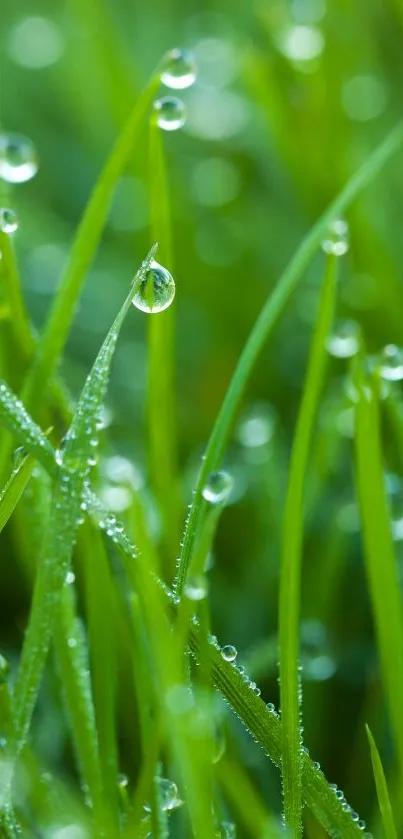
pixel 263 327
pixel 12 286
pixel 16 419
pixel 161 349
pixel 60 536
pixel 14 488
pixel 101 633
pixel 72 663
pixel 380 559
pixel 291 557
pixel 52 341
pixel 381 789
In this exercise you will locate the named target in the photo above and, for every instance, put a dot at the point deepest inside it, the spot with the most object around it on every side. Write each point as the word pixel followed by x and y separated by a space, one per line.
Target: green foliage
pixel 121 714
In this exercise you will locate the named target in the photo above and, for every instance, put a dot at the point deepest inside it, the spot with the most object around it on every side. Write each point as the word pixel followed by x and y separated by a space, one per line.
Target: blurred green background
pixel 289 100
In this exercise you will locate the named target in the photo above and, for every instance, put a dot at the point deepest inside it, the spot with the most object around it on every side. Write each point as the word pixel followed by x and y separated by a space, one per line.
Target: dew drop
pixel 171 113
pixel 391 363
pixel 18 158
pixel 4 668
pixel 218 487
pixel 8 220
pixel 70 577
pixel 336 239
pixel 229 653
pixel 123 781
pixel 156 290
pixel 196 588
pixel 179 69
pixel 169 795
pixel 271 707
pixel 344 342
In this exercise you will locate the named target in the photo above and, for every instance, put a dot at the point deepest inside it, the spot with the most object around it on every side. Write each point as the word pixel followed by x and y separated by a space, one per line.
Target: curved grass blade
pixel 262 329
pixel 71 479
pixel 381 789
pixel 291 558
pixel 52 341
pixel 14 488
pixel 380 559
pixel 12 285
pixel 161 349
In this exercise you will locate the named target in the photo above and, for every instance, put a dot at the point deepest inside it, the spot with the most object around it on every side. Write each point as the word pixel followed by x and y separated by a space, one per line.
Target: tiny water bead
pixel 8 220
pixel 344 342
pixel 391 363
pixel 228 652
pixel 171 113
pixel 156 291
pixel 336 239
pixel 179 69
pixel 218 487
pixel 18 158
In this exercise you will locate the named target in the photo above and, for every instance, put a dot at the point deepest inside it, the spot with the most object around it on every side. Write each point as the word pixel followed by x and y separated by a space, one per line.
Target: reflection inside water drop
pixel 156 290
pixel 170 112
pixel 179 69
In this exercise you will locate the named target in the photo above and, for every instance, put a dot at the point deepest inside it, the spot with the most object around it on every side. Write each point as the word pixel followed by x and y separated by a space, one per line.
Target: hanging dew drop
pixel 179 70
pixel 336 239
pixel 8 220
pixel 196 588
pixel 229 653
pixel 156 291
pixel 218 487
pixel 168 795
pixel 171 113
pixel 344 342
pixel 18 158
pixel 391 363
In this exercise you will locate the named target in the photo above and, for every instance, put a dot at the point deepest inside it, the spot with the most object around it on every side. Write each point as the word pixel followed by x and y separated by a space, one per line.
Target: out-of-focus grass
pixel 290 100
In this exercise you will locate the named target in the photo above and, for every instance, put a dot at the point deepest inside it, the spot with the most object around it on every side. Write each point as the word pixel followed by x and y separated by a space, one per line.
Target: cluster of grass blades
pixel 132 601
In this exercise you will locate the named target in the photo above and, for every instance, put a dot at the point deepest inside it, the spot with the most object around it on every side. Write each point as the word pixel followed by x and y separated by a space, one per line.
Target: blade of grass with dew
pixel 16 419
pixel 380 559
pixel 100 607
pixel 264 726
pixel 381 789
pixel 52 341
pixel 14 488
pixel 71 478
pixel 291 557
pixel 262 329
pixel 72 664
pixel 161 349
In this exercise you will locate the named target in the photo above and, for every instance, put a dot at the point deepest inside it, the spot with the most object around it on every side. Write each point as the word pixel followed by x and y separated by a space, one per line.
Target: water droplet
pixel 391 363
pixel 196 588
pixel 123 781
pixel 70 578
pixel 218 487
pixel 228 652
pixel 271 707
pixel 171 113
pixel 4 668
pixel 72 642
pixel 18 158
pixel 344 342
pixel 179 69
pixel 336 239
pixel 257 426
pixel 169 795
pixel 156 291
pixel 316 765
pixel 8 220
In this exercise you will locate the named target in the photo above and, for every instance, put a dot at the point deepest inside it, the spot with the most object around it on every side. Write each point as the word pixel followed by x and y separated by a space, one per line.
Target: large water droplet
pixel 218 487
pixel 8 220
pixel 4 668
pixel 344 342
pixel 171 113
pixel 228 652
pixel 179 69
pixel 196 588
pixel 169 795
pixel 336 239
pixel 391 363
pixel 18 158
pixel 156 291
